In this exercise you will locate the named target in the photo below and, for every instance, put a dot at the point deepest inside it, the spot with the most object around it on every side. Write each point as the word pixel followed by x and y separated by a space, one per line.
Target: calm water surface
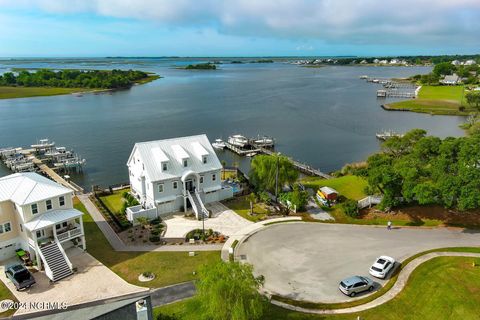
pixel 324 116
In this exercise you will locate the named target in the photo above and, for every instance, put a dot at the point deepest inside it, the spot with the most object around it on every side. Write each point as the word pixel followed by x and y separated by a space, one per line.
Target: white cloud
pixel 339 21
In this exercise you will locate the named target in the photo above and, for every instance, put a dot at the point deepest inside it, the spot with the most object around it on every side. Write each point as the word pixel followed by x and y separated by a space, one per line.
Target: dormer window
pixel 61 201
pixel 185 163
pixel 164 166
pixel 34 208
pixel 214 177
pixel 160 187
pixel 204 159
pixel 49 204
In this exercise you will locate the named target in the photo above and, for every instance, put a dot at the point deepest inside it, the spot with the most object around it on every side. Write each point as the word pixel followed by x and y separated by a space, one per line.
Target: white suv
pixel 382 266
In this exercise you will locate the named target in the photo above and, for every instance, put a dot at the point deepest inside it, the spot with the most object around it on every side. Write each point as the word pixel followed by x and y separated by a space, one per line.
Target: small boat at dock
pixel 264 142
pixel 43 144
pixel 238 140
pixel 387 134
pixel 219 144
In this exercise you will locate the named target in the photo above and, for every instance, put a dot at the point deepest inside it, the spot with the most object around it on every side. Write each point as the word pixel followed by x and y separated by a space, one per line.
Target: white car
pixel 382 266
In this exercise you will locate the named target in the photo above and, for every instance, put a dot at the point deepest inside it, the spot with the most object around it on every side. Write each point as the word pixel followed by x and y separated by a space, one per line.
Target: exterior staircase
pixel 197 205
pixel 56 262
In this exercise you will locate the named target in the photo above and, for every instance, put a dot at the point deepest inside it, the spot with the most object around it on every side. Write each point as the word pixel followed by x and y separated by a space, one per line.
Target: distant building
pixel 455 62
pixel 450 80
pixel 470 62
pixel 376 61
pixel 363 62
pixel 383 62
pixel 394 61
pixel 172 175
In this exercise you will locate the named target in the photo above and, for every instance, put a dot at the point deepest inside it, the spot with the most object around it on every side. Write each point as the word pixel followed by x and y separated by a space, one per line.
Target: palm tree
pixel 143 221
pixel 252 198
pixel 224 163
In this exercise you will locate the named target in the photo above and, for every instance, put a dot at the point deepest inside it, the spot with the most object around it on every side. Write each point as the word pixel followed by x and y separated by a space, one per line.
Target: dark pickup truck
pixel 20 276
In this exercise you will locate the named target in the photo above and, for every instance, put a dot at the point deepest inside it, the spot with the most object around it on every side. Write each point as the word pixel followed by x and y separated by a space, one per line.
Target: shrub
pixel 350 208
pixel 155 232
pixel 154 238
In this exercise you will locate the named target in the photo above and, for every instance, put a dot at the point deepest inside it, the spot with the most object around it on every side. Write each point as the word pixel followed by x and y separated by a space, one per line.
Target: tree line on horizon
pixel 104 79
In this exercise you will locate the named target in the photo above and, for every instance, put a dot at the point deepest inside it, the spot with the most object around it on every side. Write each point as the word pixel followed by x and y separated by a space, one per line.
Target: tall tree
pixel 226 291
pixel 264 172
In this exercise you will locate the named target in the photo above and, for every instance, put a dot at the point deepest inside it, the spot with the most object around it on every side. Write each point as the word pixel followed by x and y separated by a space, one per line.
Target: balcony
pixel 68 234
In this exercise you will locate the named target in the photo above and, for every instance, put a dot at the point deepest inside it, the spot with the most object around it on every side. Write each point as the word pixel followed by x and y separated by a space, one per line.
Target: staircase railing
pixel 204 210
pixel 64 254
pixel 48 271
pixel 192 202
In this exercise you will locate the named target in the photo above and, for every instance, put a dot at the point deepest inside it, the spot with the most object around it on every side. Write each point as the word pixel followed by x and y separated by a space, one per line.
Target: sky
pixel 96 28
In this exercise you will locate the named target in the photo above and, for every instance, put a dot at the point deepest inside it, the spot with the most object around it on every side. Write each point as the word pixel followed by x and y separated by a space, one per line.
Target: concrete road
pixel 306 261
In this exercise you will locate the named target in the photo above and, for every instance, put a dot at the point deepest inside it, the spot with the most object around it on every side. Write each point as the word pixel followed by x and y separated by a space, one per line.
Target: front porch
pixel 50 235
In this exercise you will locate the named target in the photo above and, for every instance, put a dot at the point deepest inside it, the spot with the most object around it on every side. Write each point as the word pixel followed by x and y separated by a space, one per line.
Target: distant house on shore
pixel 173 175
pixel 456 62
pixel 450 80
pixel 470 62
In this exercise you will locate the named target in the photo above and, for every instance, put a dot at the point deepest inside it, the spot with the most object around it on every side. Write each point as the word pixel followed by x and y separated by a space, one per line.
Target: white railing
pixel 192 202
pixel 64 255
pixel 66 235
pixel 204 210
pixel 368 201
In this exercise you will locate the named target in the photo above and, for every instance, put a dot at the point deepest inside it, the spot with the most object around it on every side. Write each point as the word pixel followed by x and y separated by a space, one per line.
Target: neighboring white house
pixel 456 62
pixel 37 216
pixel 172 175
pixel 470 62
pixel 451 80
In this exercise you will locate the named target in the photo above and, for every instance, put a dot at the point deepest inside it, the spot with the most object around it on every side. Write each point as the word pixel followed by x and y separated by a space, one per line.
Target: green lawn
pixel 169 267
pixel 25 92
pixel 115 201
pixel 242 206
pixel 441 288
pixel 435 100
pixel 351 187
pixel 5 293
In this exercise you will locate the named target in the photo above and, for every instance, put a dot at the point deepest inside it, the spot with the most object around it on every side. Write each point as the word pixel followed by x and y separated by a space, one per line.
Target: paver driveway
pixel 306 261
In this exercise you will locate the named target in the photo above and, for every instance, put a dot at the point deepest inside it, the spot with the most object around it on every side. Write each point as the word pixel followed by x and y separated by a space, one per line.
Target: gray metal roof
pixel 52 217
pixel 29 187
pixel 173 151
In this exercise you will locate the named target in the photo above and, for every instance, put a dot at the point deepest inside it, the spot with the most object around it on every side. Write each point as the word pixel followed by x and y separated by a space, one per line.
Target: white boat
pixel 238 140
pixel 264 141
pixel 218 144
pixel 251 154
pixel 43 144
pixel 385 135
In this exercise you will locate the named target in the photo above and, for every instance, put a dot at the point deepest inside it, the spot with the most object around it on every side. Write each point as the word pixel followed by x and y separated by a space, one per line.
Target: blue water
pixel 324 116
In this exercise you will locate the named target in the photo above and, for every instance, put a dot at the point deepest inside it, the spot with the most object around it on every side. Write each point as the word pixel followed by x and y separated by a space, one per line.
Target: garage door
pixel 7 251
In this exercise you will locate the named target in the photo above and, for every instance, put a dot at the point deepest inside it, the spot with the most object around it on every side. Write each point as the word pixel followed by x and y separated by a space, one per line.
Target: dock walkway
pixel 55 176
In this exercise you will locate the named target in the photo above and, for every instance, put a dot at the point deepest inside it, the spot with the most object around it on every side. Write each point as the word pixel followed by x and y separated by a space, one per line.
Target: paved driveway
pixel 306 261
pixel 93 281
pixel 223 220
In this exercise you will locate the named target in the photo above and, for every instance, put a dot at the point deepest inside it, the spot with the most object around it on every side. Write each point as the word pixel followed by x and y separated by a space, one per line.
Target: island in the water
pixel 201 66
pixel 47 82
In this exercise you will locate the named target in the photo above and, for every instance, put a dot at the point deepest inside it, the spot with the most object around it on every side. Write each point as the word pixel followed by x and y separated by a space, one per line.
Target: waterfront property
pixel 38 223
pixel 173 175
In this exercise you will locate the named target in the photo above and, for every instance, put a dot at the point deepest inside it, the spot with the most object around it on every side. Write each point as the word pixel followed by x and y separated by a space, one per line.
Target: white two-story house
pixel 37 218
pixel 174 175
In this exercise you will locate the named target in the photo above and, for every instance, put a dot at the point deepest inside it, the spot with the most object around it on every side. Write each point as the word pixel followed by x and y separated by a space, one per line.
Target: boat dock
pixel 45 158
pixel 302 167
pixel 393 93
pixel 251 147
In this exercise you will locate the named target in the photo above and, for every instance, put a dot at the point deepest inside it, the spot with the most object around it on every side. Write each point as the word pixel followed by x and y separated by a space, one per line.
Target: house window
pixel 175 184
pixel 164 166
pixel 160 187
pixel 21 228
pixel 5 227
pixel 34 208
pixel 214 177
pixel 201 179
pixel 61 201
pixel 185 162
pixel 64 225
pixel 49 204
pixel 204 159
pixel 143 166
pixel 40 233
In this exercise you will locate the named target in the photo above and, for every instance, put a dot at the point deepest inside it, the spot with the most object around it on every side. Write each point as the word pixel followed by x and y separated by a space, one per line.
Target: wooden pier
pixel 55 176
pixel 302 167
pixel 395 94
pixel 239 151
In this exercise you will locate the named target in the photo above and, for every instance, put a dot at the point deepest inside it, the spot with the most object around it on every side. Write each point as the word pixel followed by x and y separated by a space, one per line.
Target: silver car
pixel 356 284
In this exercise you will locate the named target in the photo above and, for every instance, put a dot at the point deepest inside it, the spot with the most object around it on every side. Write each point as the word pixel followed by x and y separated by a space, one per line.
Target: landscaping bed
pixel 169 267
pixel 113 205
pixel 261 210
pixel 150 233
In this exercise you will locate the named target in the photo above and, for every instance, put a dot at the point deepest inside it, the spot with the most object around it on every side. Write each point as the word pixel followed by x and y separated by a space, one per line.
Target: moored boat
pixel 238 140
pixel 218 144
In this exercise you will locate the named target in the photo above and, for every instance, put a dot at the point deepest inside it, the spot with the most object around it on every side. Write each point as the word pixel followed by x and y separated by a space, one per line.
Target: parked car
pixel 382 266
pixel 356 284
pixel 20 276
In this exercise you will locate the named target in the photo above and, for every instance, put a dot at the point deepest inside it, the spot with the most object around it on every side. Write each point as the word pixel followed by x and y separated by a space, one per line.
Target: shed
pixel 329 193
